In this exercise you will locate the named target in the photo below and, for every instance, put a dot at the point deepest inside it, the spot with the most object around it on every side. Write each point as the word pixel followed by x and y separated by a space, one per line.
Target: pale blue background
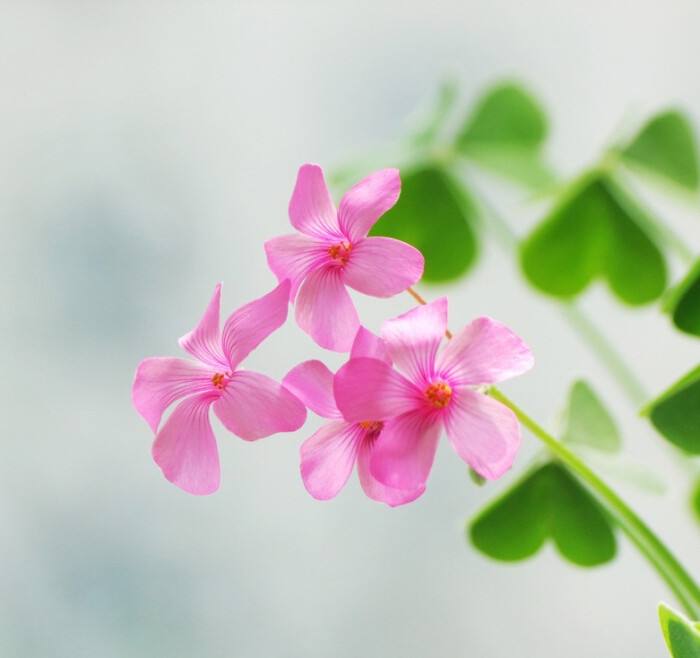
pixel 147 149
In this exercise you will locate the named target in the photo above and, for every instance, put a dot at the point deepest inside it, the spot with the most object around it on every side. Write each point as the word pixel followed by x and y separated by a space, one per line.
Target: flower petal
pixel 327 458
pixel 414 337
pixel 203 341
pixel 485 352
pixel 312 383
pixel 374 488
pixel 251 324
pixel 383 267
pixel 185 448
pixel 370 345
pixel 160 380
pixel 325 311
pixel 369 389
pixel 365 202
pixel 311 209
pixel 253 406
pixel 405 450
pixel 293 257
pixel 485 433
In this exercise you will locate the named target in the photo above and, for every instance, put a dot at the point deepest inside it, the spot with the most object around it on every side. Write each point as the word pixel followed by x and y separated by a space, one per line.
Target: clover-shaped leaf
pixel 505 133
pixel 684 302
pixel 588 422
pixel 434 214
pixel 676 413
pixel 665 146
pixel 682 635
pixel 595 231
pixel 547 503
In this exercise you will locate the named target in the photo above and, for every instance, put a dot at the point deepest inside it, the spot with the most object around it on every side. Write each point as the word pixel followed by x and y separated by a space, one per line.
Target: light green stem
pixel 648 543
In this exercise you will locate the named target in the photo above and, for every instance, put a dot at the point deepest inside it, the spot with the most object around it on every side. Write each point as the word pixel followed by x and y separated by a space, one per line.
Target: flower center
pixel 340 253
pixel 371 425
pixel 219 381
pixel 438 394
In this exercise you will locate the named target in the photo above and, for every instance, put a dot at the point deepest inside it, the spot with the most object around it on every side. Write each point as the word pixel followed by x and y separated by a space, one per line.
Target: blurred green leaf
pixel 676 413
pixel 695 500
pixel 588 422
pixel 666 147
pixel 435 118
pixel 593 232
pixel 505 134
pixel 684 302
pixel 547 502
pixel 434 214
pixel 477 479
pixel 682 636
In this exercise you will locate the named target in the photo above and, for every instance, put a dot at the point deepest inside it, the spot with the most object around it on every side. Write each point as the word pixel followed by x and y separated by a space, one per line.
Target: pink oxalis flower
pixel 248 404
pixel 435 390
pixel 328 457
pixel 332 250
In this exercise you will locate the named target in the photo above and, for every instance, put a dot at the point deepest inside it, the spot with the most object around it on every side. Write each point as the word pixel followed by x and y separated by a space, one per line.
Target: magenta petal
pixel 383 267
pixel 185 448
pixel 485 433
pixel 374 488
pixel 369 389
pixel 311 208
pixel 365 202
pixel 325 311
pixel 251 324
pixel 312 383
pixel 414 337
pixel 161 380
pixel 293 257
pixel 370 345
pixel 485 352
pixel 405 450
pixel 253 406
pixel 203 342
pixel 327 458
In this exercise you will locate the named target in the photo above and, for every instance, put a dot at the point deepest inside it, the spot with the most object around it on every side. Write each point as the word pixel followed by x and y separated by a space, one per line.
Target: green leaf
pixel 505 133
pixel 477 479
pixel 588 422
pixel 594 233
pixel 684 302
pixel 436 216
pixel 682 636
pixel 695 500
pixel 434 120
pixel 547 502
pixel 676 413
pixel 666 146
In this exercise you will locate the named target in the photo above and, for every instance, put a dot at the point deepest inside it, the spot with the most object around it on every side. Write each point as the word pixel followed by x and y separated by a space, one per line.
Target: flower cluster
pixel 386 406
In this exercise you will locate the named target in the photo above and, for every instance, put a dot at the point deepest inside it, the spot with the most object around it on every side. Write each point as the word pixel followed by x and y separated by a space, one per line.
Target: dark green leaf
pixel 505 133
pixel 588 422
pixel 593 233
pixel 548 502
pixel 666 146
pixel 682 636
pixel 435 215
pixel 676 413
pixel 684 303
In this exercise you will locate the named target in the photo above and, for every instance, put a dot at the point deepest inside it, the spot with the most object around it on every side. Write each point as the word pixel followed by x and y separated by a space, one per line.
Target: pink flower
pixel 328 457
pixel 436 390
pixel 250 405
pixel 332 250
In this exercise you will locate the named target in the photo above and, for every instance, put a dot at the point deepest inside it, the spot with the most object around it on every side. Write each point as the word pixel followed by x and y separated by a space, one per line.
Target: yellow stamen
pixel 438 394
pixel 219 381
pixel 340 252
pixel 371 425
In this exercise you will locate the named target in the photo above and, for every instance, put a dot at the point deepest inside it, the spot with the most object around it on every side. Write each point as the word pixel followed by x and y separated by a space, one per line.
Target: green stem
pixel 649 544
pixel 577 319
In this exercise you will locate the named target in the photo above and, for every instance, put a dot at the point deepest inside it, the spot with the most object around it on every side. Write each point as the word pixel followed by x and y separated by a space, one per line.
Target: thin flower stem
pixel 609 356
pixel 648 543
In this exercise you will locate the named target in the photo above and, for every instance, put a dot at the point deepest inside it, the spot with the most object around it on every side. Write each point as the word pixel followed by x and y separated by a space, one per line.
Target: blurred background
pixel 147 149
